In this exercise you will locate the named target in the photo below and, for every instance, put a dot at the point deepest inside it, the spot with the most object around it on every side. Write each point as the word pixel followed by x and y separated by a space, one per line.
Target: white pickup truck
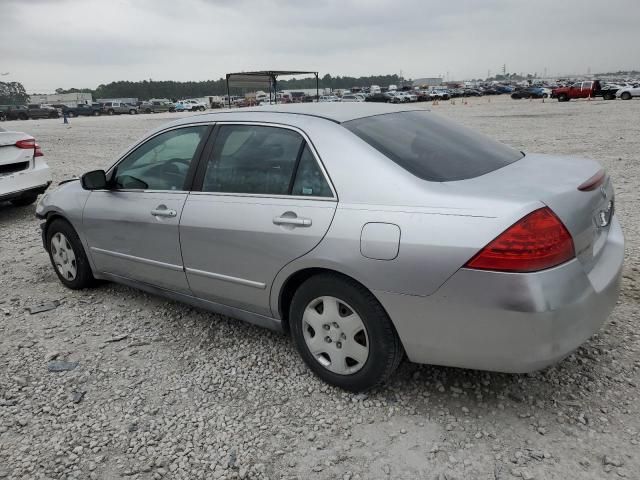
pixel 193 105
pixel 24 174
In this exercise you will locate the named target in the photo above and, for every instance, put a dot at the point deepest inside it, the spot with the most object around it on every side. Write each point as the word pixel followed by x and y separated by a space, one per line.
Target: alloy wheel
pixel 335 335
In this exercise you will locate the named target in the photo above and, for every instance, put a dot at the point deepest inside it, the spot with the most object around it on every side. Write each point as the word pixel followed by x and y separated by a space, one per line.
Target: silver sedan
pixel 367 231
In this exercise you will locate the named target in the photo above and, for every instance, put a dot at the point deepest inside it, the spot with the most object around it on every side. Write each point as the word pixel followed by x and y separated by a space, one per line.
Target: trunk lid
pixel 554 181
pixel 9 153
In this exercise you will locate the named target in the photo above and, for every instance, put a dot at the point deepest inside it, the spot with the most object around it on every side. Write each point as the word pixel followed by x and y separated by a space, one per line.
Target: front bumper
pixel 26 182
pixel 509 322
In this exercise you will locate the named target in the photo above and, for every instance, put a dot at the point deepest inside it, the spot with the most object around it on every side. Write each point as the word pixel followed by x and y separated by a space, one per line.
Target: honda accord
pixel 366 231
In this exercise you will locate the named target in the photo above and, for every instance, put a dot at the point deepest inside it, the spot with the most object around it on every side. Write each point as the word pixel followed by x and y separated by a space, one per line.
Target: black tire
pixel 132 112
pixel 563 97
pixel 24 200
pixel 96 113
pixel 516 96
pixel 625 96
pixel 545 95
pixel 70 114
pixel 110 112
pixel 148 110
pixel 385 349
pixel 23 116
pixel 84 277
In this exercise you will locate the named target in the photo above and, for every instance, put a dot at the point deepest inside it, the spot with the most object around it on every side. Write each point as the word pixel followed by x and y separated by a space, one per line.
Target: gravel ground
pixel 161 390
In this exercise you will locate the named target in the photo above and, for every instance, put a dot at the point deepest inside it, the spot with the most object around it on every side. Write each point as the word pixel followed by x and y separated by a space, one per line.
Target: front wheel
pixel 563 97
pixel 67 256
pixel 110 112
pixel 96 113
pixel 625 96
pixel 343 333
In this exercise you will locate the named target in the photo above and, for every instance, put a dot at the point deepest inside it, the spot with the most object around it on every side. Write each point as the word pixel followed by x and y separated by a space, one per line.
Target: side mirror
pixel 94 180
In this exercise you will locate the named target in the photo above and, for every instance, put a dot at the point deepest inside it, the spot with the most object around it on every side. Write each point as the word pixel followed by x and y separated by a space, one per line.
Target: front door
pixel 132 228
pixel 264 202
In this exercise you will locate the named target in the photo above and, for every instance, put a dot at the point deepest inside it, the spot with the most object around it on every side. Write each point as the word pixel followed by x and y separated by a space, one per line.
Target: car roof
pixel 334 111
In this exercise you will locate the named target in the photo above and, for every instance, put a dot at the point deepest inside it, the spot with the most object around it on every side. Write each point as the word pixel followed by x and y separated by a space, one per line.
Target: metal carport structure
pixel 260 78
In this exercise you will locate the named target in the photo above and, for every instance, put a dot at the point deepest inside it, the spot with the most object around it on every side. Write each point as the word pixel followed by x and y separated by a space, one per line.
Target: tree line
pixel 146 89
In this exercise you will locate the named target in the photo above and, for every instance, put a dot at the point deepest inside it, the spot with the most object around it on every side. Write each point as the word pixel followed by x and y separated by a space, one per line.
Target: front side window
pixel 252 159
pixel 162 162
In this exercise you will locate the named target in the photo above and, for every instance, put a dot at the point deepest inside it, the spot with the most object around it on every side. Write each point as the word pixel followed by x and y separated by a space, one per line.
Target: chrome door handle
pixel 163 212
pixel 294 221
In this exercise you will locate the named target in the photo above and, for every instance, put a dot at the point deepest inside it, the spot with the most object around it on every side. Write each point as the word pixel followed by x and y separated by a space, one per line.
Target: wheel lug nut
pixel 335 325
pixel 327 339
pixel 339 344
pixel 343 336
pixel 326 326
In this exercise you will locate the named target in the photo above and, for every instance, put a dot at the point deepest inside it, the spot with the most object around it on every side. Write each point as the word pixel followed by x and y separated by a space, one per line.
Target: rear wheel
pixel 132 112
pixel 110 112
pixel 343 333
pixel 148 110
pixel 563 97
pixel 96 113
pixel 23 116
pixel 70 114
pixel 625 96
pixel 24 201
pixel 67 256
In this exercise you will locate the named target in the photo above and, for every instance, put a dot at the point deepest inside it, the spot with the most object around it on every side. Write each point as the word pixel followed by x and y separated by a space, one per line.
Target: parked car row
pixel 35 111
pixel 25 112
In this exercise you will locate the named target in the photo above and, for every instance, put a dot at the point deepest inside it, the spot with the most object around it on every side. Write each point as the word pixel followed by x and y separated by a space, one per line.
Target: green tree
pixel 13 93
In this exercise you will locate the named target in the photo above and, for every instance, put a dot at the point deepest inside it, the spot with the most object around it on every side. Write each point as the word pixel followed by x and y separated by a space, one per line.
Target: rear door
pixel 265 200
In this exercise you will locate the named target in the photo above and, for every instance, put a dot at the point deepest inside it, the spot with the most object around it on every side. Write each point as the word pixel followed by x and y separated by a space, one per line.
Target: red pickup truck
pixel 587 89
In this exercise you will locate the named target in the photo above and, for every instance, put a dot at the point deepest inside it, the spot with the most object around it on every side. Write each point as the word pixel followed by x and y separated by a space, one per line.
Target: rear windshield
pixel 431 147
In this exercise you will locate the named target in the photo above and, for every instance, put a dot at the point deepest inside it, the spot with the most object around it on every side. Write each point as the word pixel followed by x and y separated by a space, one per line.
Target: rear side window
pixel 253 159
pixel 432 148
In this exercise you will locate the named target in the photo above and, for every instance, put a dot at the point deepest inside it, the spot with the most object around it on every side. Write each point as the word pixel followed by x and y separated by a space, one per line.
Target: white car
pixel 404 97
pixel 24 174
pixel 627 93
pixel 194 105
pixel 352 98
pixel 328 98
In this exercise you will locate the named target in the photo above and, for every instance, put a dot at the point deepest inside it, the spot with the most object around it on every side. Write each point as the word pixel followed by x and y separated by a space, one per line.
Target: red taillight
pixel 538 241
pixel 593 183
pixel 30 144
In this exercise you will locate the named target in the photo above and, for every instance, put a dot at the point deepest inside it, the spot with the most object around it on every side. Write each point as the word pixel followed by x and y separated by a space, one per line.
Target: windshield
pixel 432 148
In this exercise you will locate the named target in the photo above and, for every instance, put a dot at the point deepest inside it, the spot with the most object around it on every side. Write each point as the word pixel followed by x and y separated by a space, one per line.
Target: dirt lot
pixel 184 394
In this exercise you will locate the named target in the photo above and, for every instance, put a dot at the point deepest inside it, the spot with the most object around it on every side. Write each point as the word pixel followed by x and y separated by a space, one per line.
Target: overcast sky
pixel 46 44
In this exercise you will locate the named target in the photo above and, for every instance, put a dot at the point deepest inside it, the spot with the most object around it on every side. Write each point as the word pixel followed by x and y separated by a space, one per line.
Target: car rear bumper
pixel 26 182
pixel 509 322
